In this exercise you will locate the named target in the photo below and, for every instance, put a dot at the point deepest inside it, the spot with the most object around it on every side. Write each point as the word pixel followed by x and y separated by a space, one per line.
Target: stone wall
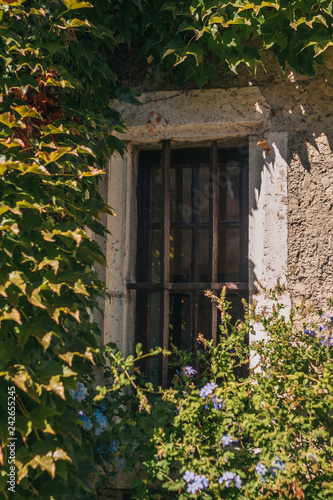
pixel 302 107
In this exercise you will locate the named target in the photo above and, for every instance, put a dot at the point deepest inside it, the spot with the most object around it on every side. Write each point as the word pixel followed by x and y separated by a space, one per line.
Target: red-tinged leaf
pixel 264 144
pixel 150 128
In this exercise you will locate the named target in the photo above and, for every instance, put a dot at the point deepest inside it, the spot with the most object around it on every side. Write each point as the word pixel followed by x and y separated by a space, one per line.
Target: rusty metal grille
pixel 192 235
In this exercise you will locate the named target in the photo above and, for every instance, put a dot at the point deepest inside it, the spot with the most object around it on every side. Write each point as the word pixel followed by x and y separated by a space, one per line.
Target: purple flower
pixel 261 469
pixel 207 389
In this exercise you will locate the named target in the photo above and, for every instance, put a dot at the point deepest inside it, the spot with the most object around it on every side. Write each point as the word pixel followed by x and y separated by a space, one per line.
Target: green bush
pixel 216 434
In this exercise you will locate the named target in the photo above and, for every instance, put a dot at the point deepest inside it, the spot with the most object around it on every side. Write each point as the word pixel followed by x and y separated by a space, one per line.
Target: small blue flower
pixel 188 476
pixel 102 422
pixel 207 389
pixel 81 392
pixel 195 482
pixel 189 371
pixel 218 404
pixel 228 478
pixel 276 465
pixel 102 449
pixel 87 423
pixel 192 488
pixel 114 446
pixel 261 469
pixel 228 440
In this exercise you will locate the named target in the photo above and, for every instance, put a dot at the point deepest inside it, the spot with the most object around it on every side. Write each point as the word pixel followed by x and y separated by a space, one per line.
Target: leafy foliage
pixel 55 133
pixel 191 38
pixel 56 83
pixel 267 434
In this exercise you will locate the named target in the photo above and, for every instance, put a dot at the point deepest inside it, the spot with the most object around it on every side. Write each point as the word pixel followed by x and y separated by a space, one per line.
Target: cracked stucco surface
pixel 303 108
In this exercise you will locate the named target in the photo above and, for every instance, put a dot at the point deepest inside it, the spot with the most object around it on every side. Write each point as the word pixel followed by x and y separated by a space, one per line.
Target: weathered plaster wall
pixel 303 108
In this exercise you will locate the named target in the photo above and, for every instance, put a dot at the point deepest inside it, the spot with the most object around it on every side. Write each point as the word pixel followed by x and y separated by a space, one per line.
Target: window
pixel 196 119
pixel 192 234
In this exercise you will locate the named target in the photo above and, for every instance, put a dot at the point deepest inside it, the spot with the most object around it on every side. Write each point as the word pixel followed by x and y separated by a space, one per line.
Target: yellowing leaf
pixel 35 299
pixel 15 277
pixel 19 379
pixel 67 357
pixel 46 340
pixel 27 112
pixel 10 120
pixel 51 82
pixel 56 386
pixel 54 155
pixel 89 355
pixel 48 429
pixel 74 4
pixel 80 288
pixel 45 463
pixel 60 454
pixel 54 264
pixel 13 228
pixel 55 287
pixel 13 315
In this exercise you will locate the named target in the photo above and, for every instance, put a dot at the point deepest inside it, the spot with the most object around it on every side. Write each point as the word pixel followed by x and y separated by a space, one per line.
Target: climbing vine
pixel 57 128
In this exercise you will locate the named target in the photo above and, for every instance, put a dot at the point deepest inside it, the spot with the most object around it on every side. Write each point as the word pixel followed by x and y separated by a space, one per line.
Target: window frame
pixel 144 283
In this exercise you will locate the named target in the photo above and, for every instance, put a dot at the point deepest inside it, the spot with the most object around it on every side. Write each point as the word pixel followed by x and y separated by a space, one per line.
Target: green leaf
pixel 27 112
pixel 74 4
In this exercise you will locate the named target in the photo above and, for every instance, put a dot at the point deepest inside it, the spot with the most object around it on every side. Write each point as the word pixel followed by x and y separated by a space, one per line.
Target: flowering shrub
pixel 216 434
